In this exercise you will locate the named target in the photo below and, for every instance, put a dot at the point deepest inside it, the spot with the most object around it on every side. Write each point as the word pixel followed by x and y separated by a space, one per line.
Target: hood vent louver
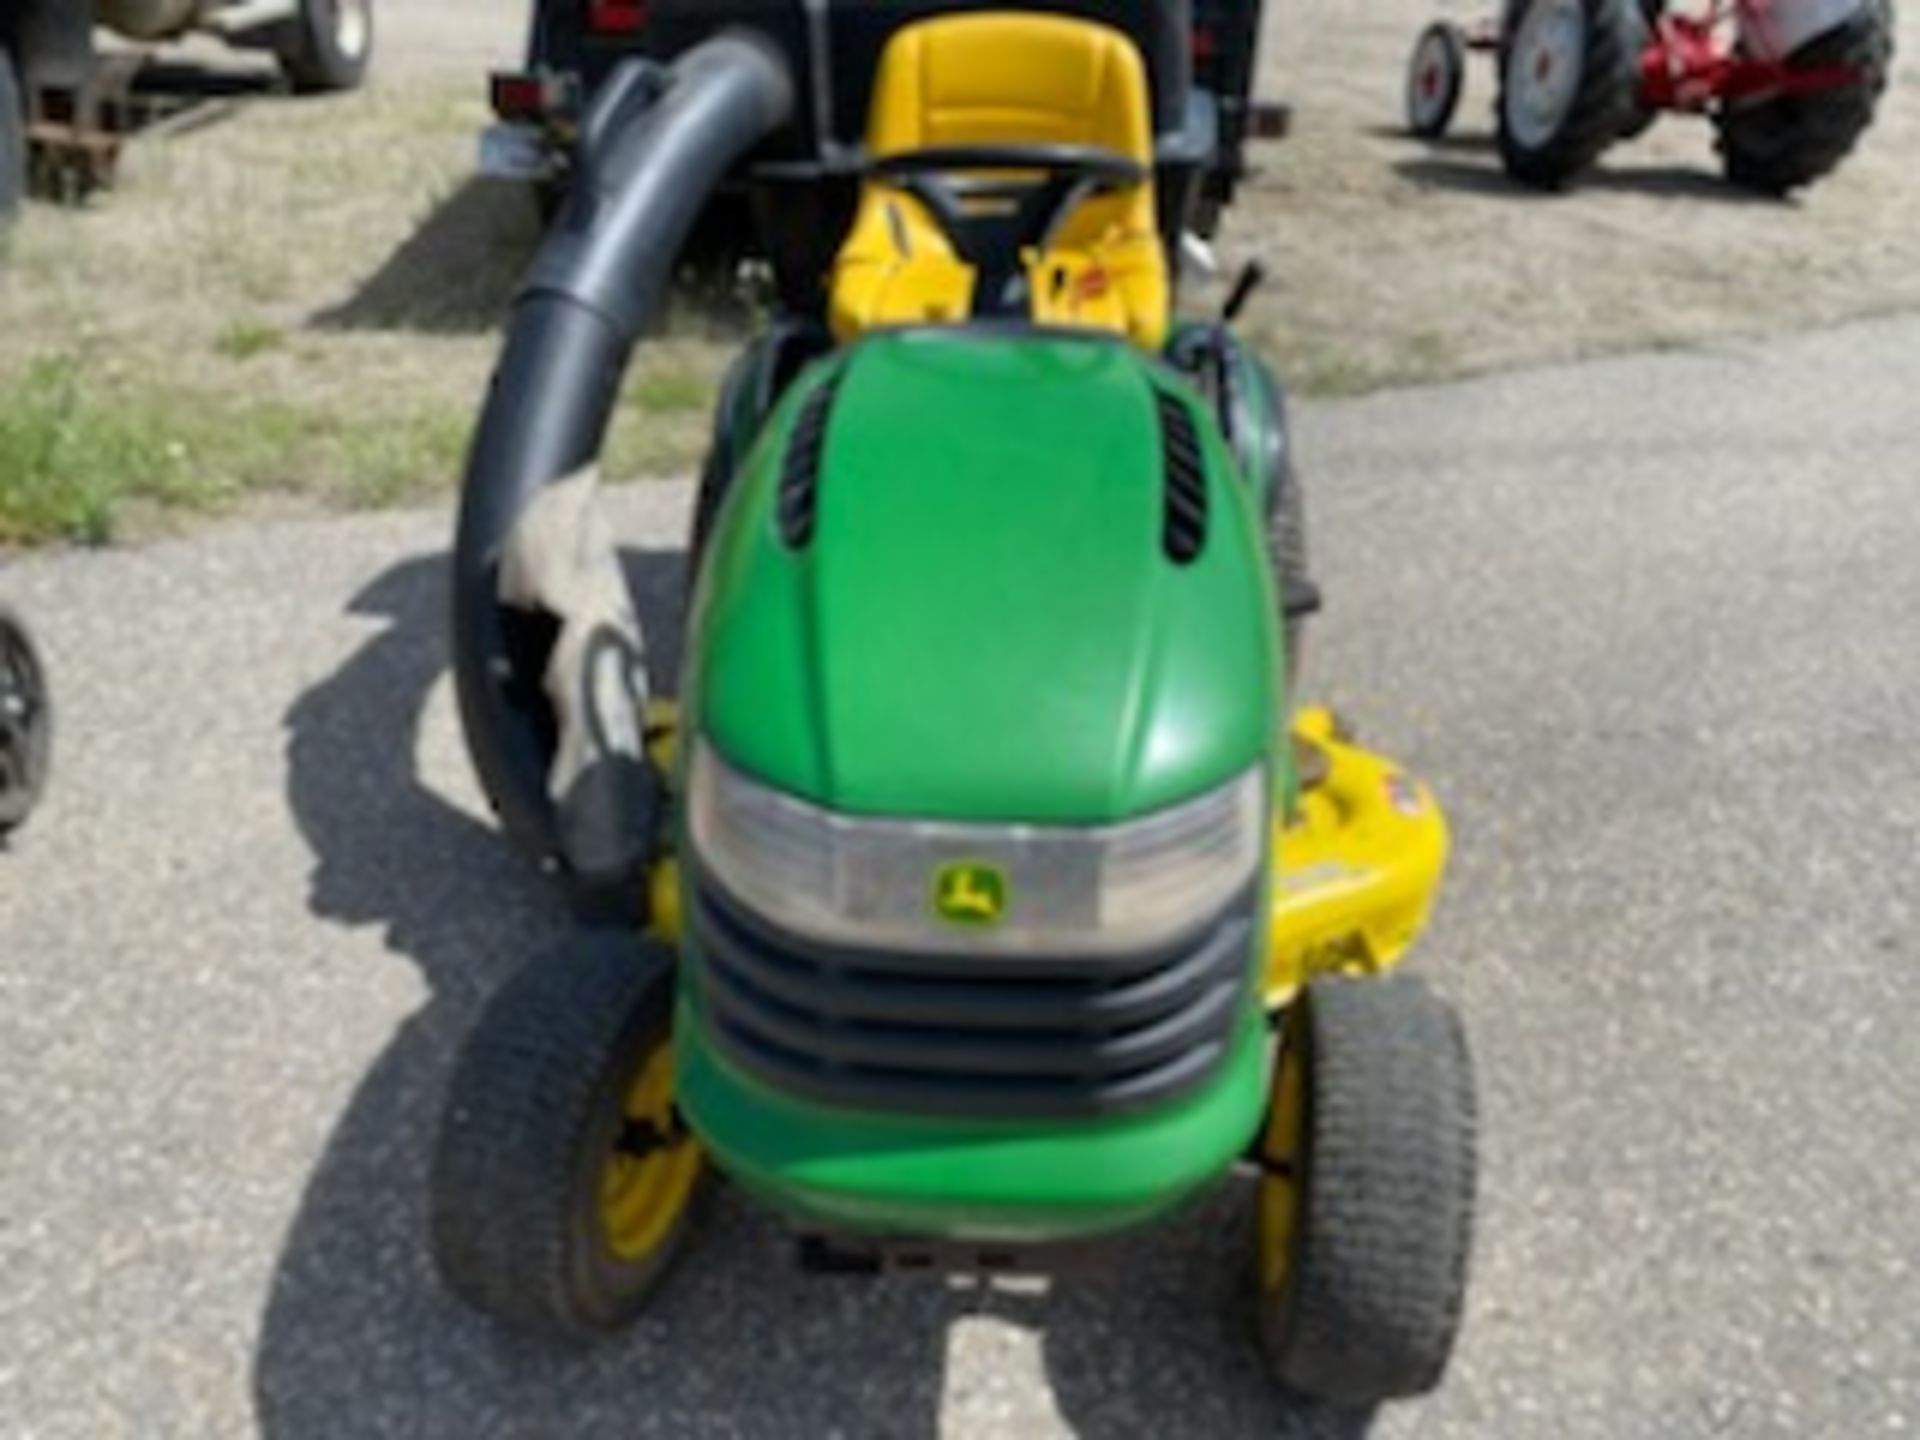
pixel 1185 529
pixel 800 475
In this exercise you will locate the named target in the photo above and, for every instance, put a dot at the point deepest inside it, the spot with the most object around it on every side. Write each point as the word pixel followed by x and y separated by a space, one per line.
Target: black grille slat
pixel 969 1095
pixel 1184 529
pixel 799 500
pixel 903 997
pixel 1039 1055
pixel 968 1035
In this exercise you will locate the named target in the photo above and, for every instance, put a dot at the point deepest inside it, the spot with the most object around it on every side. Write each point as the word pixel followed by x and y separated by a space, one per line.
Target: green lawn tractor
pixel 984 895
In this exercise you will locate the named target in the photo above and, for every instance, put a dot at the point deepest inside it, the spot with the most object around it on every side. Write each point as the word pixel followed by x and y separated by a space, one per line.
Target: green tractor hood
pixel 946 587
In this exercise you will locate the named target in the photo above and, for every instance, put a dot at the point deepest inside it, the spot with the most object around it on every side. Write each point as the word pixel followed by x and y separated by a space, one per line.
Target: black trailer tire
pixel 1778 145
pixel 538 1111
pixel 13 140
pixel 1374 1281
pixel 1569 81
pixel 26 725
pixel 329 47
pixel 1435 74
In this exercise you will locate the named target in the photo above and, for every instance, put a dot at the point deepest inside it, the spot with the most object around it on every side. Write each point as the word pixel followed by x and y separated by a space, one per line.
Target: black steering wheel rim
pixel 1070 175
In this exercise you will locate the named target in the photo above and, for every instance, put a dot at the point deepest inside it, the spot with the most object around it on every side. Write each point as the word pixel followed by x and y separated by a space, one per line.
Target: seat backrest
pixel 991 77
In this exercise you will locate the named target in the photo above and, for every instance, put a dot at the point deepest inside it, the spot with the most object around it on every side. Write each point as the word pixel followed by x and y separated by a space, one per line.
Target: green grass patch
pixel 245 339
pixel 68 460
pixel 671 392
pixel 77 456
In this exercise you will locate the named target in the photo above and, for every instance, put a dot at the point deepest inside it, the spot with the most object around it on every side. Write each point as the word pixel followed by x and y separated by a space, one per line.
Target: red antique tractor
pixel 1790 85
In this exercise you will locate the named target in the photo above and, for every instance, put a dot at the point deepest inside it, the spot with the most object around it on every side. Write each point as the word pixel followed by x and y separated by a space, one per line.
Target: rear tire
pixel 1776 146
pixel 1435 75
pixel 13 141
pixel 540 1113
pixel 1287 554
pixel 1569 79
pixel 1363 1278
pixel 328 47
pixel 26 725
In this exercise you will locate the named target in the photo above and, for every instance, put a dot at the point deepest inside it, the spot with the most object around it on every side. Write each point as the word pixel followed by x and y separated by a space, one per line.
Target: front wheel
pixel 328 46
pixel 1777 145
pixel 1435 75
pixel 1569 79
pixel 1366 1201
pixel 564 1181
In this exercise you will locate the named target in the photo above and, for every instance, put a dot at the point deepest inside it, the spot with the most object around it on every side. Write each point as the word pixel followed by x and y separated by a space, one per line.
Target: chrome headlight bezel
pixel 870 883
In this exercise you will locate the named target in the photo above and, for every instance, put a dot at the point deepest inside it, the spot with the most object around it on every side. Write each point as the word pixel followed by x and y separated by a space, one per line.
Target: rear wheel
pixel 1569 77
pixel 1366 1204
pixel 13 140
pixel 26 725
pixel 1434 78
pixel 564 1181
pixel 1287 554
pixel 1780 144
pixel 328 46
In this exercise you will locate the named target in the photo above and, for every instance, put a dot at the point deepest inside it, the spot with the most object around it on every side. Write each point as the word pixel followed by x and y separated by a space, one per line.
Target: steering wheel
pixel 994 201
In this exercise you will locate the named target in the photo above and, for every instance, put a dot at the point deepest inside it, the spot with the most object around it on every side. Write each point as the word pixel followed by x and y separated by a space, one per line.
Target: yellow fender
pixel 1356 867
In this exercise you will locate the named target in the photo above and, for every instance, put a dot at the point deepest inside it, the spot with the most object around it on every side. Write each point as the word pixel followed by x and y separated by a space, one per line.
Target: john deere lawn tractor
pixel 985 895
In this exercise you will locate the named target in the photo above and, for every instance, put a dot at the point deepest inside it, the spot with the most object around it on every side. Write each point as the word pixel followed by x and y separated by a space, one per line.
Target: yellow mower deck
pixel 1356 867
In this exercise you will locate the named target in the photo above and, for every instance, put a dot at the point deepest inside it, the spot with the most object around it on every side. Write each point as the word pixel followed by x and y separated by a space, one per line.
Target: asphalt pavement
pixel 1647 625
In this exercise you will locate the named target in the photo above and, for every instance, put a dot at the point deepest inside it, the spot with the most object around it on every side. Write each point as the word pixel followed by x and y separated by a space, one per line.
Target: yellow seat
pixel 991 78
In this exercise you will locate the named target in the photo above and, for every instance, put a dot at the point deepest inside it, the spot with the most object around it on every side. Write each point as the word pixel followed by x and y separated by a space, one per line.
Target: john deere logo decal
pixel 966 892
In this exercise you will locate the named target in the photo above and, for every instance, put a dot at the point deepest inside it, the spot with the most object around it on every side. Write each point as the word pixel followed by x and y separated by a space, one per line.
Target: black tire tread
pixel 1779 145
pixel 1379 1271
pixel 1603 107
pixel 17 803
pixel 313 62
pixel 528 1095
pixel 1287 555
pixel 13 140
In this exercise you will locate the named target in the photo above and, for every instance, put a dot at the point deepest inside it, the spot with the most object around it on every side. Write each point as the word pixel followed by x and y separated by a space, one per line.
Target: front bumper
pixel 971 1181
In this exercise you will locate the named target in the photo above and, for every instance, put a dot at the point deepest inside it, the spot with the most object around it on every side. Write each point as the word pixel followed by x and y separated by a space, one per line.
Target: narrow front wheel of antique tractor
pixel 1367 1193
pixel 1434 76
pixel 26 725
pixel 1569 82
pixel 1777 145
pixel 327 46
pixel 564 1182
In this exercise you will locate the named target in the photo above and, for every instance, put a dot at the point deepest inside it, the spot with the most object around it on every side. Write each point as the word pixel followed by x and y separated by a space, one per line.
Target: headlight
pixel 938 886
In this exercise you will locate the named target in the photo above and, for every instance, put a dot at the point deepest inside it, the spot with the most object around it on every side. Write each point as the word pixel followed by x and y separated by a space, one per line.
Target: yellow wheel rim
pixel 1280 1163
pixel 650 1174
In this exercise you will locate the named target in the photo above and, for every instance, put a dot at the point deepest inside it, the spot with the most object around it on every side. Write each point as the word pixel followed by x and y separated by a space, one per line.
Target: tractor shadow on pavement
pixel 1483 175
pixel 359 1339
